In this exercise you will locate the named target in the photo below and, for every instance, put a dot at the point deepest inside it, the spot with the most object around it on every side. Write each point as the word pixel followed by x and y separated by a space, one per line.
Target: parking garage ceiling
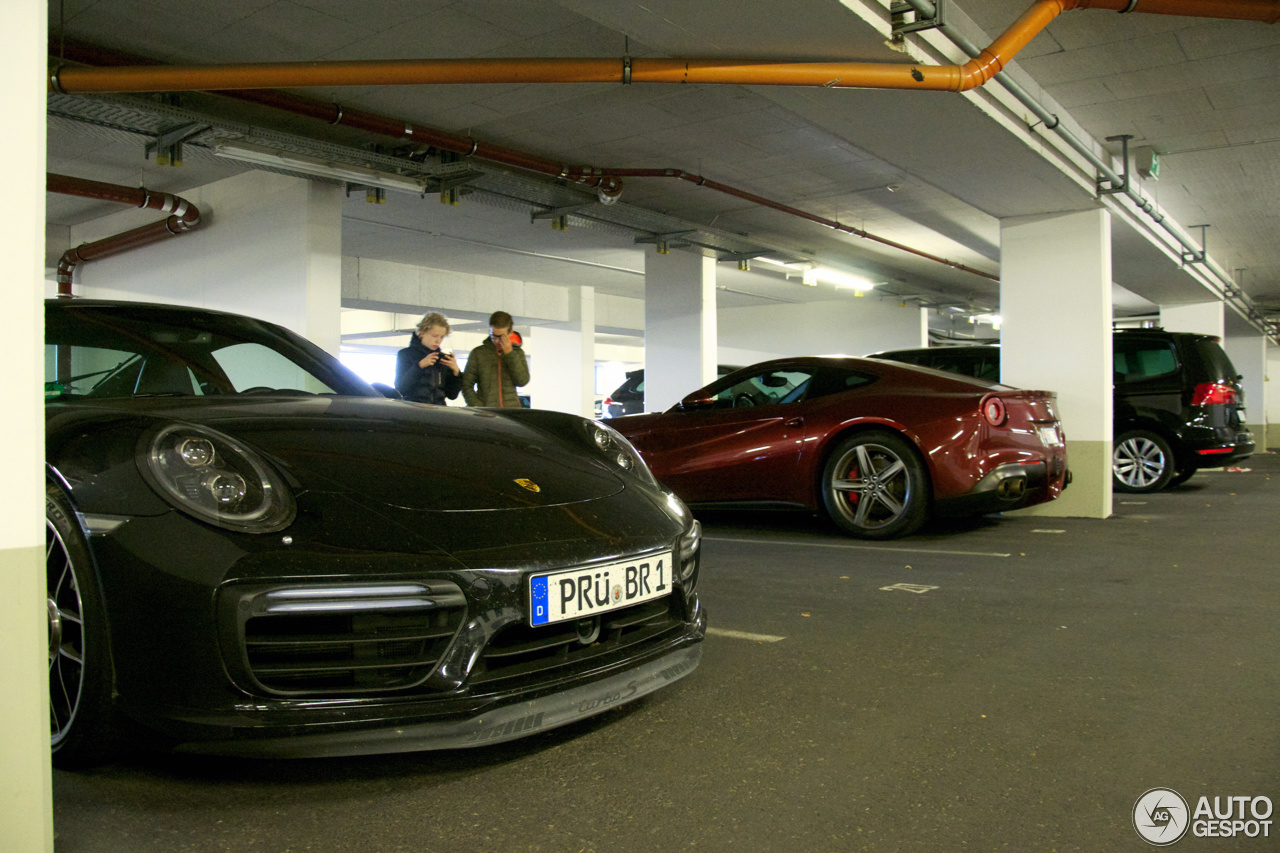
pixel 918 181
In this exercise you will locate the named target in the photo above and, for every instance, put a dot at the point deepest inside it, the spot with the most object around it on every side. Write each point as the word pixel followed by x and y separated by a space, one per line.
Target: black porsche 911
pixel 252 551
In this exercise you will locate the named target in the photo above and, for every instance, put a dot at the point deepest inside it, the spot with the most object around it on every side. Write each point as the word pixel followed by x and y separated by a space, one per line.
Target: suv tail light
pixel 1209 393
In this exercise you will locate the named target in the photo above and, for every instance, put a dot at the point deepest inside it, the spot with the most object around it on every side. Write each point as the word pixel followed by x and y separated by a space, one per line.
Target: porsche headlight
pixel 216 479
pixel 610 444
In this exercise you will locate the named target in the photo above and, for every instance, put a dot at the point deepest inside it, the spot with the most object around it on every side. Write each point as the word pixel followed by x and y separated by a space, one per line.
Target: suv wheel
pixel 1142 461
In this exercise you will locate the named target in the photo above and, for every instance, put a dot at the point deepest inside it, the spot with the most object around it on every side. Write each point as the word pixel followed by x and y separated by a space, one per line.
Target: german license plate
pixel 587 591
pixel 1049 435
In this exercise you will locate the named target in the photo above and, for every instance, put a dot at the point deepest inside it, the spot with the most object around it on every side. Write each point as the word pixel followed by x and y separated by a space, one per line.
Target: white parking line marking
pixel 1046 530
pixel 792 543
pixel 917 588
pixel 743 635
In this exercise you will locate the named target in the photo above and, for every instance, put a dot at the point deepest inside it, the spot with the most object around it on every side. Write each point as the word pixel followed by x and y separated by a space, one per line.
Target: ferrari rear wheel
pixel 80 673
pixel 874 486
pixel 1142 461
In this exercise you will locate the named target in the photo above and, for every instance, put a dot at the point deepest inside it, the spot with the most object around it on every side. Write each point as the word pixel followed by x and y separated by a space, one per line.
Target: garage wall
pixel 850 326
pixel 268 245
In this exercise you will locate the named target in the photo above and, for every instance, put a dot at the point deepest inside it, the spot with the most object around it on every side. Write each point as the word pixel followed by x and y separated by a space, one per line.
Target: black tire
pixel 1182 476
pixel 1141 462
pixel 874 486
pixel 81 715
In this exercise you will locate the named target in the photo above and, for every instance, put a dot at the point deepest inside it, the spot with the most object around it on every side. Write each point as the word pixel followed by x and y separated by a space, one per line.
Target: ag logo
pixel 1161 816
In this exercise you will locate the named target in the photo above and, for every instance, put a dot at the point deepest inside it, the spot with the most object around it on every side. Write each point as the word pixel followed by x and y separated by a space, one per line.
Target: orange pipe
pixel 859 75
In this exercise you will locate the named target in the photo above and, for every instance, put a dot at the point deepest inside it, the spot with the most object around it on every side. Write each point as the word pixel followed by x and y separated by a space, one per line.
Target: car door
pixel 741 445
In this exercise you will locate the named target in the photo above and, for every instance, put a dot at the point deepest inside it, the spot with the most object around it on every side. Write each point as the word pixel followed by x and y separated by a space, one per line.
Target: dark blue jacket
pixel 433 384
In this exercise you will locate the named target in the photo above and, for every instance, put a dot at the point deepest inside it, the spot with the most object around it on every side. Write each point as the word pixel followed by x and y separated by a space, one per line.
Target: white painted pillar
pixel 269 246
pixel 1055 299
pixel 562 359
pixel 1248 353
pixel 26 801
pixel 1271 402
pixel 1205 318
pixel 679 327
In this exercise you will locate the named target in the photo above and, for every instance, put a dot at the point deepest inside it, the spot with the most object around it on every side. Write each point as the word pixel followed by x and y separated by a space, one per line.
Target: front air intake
pixel 343 639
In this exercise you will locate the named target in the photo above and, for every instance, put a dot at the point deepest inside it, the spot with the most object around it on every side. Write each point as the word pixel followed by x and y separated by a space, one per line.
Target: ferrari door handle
pixel 793 422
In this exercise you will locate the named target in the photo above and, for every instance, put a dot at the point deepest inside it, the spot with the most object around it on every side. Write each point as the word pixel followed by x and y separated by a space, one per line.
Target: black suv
pixel 1178 403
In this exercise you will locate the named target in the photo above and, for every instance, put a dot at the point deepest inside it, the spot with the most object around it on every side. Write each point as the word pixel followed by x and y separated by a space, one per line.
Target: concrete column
pixel 26 802
pixel 1248 352
pixel 563 378
pixel 1055 299
pixel 1272 401
pixel 679 326
pixel 1206 318
pixel 269 246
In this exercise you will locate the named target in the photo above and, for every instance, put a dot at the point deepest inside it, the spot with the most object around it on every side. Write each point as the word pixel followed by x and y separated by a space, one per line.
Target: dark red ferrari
pixel 879 446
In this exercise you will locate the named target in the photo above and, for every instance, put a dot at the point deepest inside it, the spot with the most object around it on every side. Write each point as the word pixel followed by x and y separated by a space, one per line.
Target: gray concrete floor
pixel 1053 671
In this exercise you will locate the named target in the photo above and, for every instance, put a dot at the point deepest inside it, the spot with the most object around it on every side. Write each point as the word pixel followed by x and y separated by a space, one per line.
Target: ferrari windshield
pixel 119 350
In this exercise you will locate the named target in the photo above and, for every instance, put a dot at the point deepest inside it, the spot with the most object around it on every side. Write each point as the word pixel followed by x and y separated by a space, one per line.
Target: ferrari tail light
pixel 1209 393
pixel 993 409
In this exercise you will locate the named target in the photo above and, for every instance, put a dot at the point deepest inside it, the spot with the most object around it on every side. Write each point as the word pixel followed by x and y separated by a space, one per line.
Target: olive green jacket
pixel 487 375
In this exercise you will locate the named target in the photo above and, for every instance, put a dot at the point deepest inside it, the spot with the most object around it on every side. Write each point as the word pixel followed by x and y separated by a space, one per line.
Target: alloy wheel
pixel 66 636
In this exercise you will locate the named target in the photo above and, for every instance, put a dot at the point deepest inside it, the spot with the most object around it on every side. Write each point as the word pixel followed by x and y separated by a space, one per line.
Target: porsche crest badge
pixel 528 484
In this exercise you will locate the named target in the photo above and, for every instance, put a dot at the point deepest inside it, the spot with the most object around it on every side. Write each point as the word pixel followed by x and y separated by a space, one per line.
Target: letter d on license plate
pixel 587 591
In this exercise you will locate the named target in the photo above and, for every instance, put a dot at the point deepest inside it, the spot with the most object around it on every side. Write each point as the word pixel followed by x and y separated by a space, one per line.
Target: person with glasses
pixel 496 368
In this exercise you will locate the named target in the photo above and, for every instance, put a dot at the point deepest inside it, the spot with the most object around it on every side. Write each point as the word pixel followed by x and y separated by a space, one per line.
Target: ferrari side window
pixel 769 388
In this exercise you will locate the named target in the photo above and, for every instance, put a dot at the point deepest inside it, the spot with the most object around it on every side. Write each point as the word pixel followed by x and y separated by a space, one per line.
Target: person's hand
pixel 430 359
pixel 448 360
pixel 501 342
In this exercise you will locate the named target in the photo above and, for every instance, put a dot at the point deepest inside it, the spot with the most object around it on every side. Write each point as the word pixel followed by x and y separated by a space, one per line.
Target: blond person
pixel 425 373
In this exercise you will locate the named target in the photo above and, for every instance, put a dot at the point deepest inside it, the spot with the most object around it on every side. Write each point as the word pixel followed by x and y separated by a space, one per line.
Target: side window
pixel 833 380
pixel 1137 360
pixel 255 366
pixel 774 387
pixel 76 371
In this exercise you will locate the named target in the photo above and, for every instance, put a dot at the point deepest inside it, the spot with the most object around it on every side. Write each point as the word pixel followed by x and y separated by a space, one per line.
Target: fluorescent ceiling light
pixel 293 162
pixel 841 279
pixel 811 275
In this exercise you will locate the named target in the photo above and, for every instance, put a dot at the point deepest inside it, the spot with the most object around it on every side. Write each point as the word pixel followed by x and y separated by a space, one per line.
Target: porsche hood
pixel 405 455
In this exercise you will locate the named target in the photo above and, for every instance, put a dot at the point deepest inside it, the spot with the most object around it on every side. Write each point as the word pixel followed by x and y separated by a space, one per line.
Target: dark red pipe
pixel 185 216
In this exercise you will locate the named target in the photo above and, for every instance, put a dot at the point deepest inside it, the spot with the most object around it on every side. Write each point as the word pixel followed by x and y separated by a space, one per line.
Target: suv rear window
pixel 1143 359
pixel 1220 366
